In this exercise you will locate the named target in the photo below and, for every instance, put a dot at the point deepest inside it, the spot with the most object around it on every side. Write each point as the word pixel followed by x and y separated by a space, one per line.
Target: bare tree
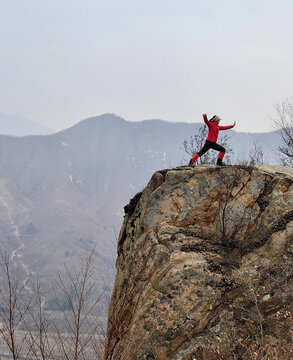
pixel 40 327
pixel 196 142
pixel 230 184
pixel 13 308
pixel 30 331
pixel 255 157
pixel 284 124
pixel 253 315
pixel 82 328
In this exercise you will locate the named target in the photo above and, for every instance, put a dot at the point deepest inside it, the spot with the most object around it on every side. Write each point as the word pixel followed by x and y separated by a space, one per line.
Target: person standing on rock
pixel 211 141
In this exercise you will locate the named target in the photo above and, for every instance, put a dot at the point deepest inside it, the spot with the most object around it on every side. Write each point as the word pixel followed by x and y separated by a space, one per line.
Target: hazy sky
pixel 64 60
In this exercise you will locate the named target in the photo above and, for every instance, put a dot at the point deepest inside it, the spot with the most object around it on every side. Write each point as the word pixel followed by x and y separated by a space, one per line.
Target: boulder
pixel 204 267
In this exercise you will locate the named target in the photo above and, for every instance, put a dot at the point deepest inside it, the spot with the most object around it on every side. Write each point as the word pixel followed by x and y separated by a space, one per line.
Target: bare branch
pixel 284 125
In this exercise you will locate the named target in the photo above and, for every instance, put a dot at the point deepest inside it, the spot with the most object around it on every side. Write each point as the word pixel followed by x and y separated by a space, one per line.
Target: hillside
pixel 204 267
pixel 62 193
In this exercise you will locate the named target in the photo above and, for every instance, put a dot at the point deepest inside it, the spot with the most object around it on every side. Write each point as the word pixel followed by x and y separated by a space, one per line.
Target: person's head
pixel 215 119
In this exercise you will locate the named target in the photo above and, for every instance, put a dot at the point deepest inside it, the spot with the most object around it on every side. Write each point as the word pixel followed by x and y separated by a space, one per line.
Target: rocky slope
pixel 204 267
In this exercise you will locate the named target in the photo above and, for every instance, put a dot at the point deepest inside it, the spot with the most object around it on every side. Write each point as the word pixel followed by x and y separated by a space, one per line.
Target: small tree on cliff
pixel 264 308
pixel 230 183
pixel 255 157
pixel 284 124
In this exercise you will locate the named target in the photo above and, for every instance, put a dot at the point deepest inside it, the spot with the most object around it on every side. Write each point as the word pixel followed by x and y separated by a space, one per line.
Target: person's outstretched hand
pixel 204 115
pixel 234 123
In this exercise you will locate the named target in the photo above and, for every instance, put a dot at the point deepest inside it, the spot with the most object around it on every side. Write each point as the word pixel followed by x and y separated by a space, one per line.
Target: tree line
pixel 29 331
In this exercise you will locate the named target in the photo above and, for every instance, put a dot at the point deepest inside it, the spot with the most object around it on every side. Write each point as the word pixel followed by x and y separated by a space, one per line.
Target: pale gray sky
pixel 64 60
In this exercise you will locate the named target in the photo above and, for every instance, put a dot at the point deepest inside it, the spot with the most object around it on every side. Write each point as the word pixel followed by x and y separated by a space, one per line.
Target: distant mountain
pixel 62 193
pixel 20 126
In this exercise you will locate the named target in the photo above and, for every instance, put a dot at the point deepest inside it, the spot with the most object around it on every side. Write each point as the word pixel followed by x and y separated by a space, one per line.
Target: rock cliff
pixel 204 267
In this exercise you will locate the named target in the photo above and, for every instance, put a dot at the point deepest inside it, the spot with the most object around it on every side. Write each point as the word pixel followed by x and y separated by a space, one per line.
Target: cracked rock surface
pixel 204 266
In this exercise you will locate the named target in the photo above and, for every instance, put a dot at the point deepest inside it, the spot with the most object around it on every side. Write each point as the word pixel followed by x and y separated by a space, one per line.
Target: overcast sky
pixel 65 60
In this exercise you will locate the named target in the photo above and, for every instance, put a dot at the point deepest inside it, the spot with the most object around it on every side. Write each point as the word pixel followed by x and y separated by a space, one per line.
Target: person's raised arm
pixel 227 127
pixel 206 119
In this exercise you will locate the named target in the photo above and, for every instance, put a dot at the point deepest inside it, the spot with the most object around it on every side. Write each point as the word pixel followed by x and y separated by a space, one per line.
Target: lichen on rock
pixel 204 266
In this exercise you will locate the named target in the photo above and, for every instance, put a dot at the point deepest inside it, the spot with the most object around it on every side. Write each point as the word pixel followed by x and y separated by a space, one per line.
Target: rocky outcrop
pixel 204 267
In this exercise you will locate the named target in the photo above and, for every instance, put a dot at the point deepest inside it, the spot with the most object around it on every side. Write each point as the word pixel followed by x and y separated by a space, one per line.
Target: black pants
pixel 210 145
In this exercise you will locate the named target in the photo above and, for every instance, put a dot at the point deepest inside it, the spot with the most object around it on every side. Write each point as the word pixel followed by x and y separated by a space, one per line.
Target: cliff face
pixel 204 267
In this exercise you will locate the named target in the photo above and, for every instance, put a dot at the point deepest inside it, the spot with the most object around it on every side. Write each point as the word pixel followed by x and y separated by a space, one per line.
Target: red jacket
pixel 214 129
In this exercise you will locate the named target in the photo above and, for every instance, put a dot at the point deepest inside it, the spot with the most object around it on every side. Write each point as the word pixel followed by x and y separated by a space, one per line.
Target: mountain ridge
pixel 15 125
pixel 62 191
